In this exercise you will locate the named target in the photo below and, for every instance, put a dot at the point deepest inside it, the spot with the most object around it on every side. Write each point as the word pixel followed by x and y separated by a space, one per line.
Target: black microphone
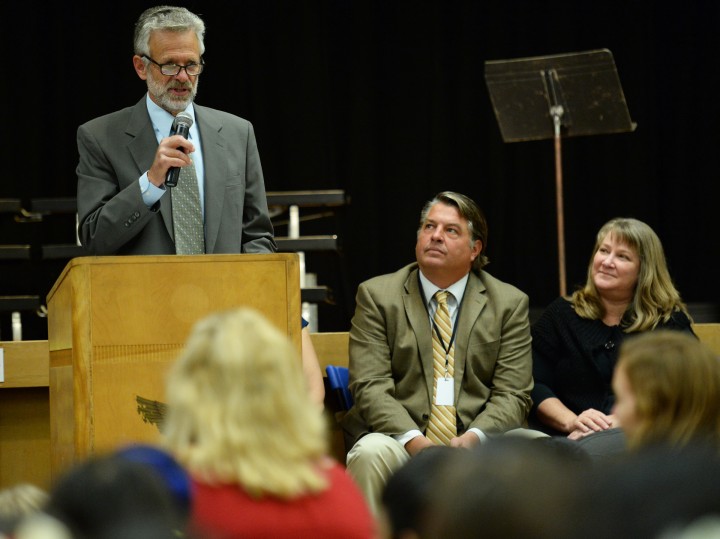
pixel 181 126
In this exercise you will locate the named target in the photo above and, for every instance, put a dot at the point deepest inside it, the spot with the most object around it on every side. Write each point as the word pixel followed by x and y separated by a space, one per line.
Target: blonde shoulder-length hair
pixel 655 298
pixel 239 410
pixel 675 380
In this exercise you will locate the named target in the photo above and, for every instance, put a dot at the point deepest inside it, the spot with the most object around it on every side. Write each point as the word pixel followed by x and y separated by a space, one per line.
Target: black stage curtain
pixel 387 100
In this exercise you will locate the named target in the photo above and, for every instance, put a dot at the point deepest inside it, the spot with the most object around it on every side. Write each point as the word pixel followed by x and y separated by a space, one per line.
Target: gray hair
pixel 170 18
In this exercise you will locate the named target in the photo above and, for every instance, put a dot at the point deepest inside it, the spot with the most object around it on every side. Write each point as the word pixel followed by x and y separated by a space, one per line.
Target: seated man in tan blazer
pixel 427 369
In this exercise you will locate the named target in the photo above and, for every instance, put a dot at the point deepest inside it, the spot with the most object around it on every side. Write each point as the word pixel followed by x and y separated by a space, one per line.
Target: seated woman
pixel 667 388
pixel 576 340
pixel 241 421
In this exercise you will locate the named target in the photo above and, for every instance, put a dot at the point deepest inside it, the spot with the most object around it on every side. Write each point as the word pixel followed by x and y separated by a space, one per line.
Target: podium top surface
pixel 106 303
pixel 585 84
pixel 166 259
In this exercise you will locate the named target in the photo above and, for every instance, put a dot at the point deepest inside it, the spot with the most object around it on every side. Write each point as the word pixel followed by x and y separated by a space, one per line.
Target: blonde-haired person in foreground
pixel 575 342
pixel 240 419
pixel 667 388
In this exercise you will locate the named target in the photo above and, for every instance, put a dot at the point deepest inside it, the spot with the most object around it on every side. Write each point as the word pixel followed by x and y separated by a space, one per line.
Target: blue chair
pixel 339 380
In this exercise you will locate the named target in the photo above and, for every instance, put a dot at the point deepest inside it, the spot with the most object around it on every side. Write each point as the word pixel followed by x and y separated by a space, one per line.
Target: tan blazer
pixel 391 361
pixel 116 149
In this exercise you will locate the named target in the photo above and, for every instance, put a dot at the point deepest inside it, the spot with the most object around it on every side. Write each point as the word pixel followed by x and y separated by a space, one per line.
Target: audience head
pixel 109 492
pixel 239 411
pixel 667 390
pixel 408 490
pixel 655 492
pixel 169 470
pixel 653 296
pixel 18 502
pixel 40 525
pixel 507 488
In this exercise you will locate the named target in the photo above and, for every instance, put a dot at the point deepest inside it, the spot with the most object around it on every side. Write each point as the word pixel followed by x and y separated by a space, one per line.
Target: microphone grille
pixel 182 118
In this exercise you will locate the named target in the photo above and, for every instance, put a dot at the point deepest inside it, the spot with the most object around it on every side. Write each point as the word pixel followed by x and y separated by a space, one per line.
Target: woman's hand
pixel 589 422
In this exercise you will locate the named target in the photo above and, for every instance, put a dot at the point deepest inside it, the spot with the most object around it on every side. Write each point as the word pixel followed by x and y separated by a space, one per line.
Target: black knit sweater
pixel 574 358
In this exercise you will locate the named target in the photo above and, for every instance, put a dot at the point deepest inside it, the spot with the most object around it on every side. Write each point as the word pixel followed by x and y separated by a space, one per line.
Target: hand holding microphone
pixel 181 126
pixel 171 151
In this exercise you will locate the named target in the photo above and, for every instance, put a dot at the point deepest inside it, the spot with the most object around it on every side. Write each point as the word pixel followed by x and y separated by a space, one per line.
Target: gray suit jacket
pixel 116 149
pixel 391 360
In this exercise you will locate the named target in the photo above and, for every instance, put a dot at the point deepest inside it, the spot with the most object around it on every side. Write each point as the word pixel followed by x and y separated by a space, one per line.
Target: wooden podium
pixel 115 324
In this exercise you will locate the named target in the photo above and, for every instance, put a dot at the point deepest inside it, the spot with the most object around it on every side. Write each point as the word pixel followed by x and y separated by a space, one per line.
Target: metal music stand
pixel 554 96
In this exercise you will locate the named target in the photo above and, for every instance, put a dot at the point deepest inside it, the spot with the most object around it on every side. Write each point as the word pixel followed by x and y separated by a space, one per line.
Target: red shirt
pixel 228 512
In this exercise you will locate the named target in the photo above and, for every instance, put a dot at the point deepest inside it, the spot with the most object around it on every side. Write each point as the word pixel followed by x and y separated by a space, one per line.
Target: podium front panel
pixel 125 320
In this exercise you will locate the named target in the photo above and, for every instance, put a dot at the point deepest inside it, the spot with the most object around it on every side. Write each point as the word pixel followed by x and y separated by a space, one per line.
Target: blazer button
pixel 425 417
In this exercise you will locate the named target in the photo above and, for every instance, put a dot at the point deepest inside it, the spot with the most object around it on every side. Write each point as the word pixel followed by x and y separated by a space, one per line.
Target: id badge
pixel 445 391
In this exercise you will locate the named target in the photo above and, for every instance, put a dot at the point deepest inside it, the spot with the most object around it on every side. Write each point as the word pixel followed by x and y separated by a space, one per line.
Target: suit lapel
pixel 215 161
pixel 144 145
pixel 472 305
pixel 417 314
pixel 142 148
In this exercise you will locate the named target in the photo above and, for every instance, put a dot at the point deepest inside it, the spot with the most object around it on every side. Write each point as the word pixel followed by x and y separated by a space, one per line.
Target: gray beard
pixel 165 99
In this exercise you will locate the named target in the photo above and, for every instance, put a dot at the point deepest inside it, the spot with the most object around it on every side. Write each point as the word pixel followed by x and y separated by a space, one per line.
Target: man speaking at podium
pixel 125 203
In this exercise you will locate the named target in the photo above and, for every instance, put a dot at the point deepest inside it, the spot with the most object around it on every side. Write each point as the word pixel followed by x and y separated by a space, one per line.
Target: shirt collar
pixel 162 120
pixel 457 289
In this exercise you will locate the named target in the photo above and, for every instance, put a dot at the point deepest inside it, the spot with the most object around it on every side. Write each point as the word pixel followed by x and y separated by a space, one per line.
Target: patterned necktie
pixel 442 425
pixel 187 214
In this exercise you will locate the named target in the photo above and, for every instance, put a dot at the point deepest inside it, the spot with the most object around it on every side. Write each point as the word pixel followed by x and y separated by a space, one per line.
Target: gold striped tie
pixel 442 425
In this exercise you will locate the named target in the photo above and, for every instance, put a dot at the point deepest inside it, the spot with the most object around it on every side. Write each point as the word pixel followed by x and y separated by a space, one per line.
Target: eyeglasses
pixel 171 70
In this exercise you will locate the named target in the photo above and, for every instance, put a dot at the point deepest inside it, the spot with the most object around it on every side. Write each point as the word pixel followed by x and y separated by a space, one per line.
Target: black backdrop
pixel 387 100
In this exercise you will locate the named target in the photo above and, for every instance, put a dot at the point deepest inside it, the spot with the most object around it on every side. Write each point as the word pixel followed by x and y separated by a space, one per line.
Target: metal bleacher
pixel 25 249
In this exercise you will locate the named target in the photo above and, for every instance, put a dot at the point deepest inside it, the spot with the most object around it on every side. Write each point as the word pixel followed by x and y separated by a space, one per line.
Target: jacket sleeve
pixel 371 373
pixel 257 229
pixel 111 211
pixel 508 403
